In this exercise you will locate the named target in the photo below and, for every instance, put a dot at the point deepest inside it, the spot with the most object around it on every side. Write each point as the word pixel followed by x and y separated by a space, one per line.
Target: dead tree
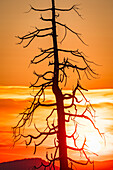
pixel 52 80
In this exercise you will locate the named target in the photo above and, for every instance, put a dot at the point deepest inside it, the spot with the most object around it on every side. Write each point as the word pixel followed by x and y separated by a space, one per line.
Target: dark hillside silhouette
pixel 28 164
pixel 24 164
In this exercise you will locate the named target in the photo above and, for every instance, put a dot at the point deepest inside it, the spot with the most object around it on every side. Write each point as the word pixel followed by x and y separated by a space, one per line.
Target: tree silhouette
pixel 53 79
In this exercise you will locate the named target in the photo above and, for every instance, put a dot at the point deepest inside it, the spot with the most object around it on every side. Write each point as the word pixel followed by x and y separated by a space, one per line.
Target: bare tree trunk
pixel 59 75
pixel 59 100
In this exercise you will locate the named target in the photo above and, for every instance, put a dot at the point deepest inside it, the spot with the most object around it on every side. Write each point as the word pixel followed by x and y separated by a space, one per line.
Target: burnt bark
pixel 59 100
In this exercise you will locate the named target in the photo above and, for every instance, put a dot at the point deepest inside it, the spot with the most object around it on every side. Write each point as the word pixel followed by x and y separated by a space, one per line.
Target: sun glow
pixel 94 144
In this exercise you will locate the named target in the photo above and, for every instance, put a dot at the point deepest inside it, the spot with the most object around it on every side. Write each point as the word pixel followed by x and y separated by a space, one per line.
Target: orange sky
pixel 96 29
pixel 13 100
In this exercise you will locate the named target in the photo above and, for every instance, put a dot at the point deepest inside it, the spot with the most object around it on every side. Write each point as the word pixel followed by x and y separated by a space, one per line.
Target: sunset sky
pixel 16 74
pixel 96 28
pixel 13 100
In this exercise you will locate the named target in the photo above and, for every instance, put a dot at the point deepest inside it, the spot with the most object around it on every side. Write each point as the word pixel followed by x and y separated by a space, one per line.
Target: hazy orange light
pixel 94 144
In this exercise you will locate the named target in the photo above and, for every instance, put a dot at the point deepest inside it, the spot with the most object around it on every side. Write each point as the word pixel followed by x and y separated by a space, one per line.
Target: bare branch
pixel 47 56
pixel 41 10
pixel 43 75
pixel 43 52
pixel 67 64
pixel 85 117
pixel 45 19
pixel 77 34
pixel 76 148
pixel 32 35
pixel 74 7
pixel 47 84
pixel 64 36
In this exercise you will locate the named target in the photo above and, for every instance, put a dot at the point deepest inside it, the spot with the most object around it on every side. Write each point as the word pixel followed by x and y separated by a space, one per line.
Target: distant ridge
pixel 24 164
pixel 28 164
